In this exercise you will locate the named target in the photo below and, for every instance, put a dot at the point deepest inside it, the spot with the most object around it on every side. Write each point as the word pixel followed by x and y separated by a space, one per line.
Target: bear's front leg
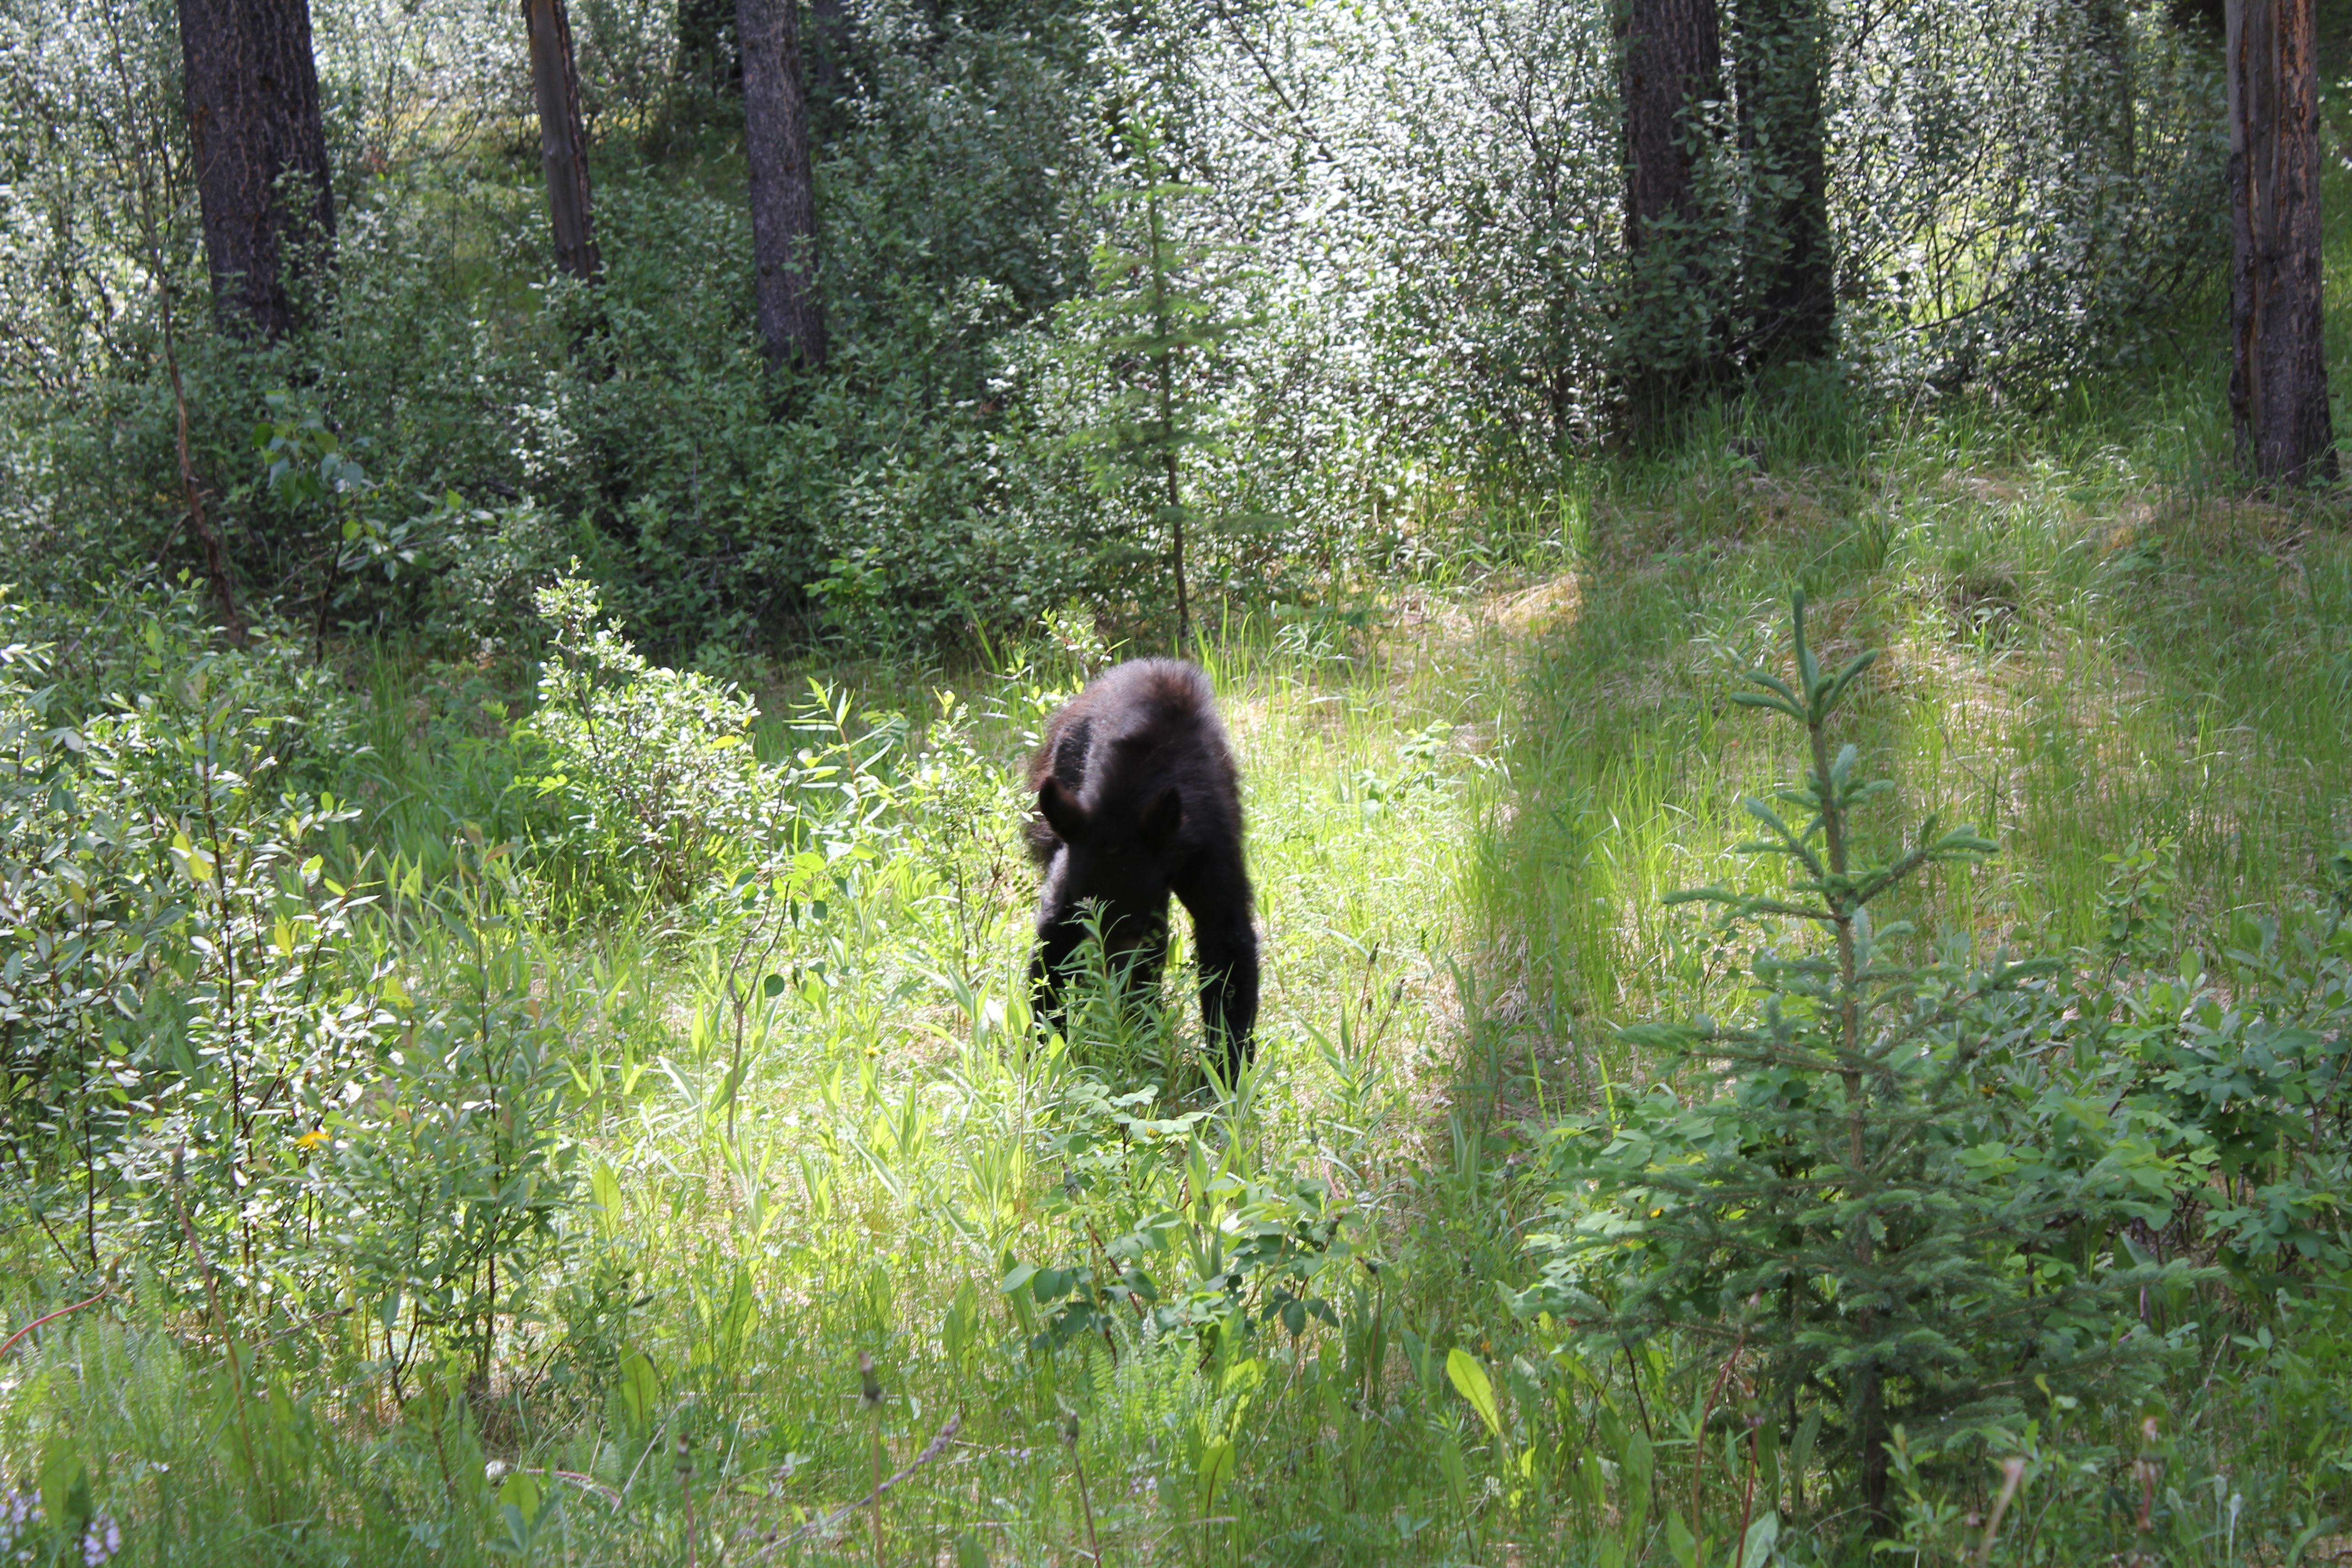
pixel 1225 933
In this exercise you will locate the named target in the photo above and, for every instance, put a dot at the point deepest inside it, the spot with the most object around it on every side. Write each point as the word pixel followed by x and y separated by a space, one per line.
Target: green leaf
pixel 523 1494
pixel 1470 1381
pixel 1764 1534
pixel 1640 1463
pixel 62 1480
pixel 1215 1469
pixel 1457 1474
pixel 640 1389
pixel 605 1191
pixel 1758 699
pixel 1809 1431
pixel 1681 1542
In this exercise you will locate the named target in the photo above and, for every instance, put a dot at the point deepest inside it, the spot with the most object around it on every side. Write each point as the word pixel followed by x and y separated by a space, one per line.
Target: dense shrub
pixel 236 1043
pixel 1427 202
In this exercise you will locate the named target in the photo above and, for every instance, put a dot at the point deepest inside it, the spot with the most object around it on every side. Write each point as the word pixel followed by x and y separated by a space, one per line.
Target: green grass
pixel 1467 803
pixel 2089 645
pixel 1462 824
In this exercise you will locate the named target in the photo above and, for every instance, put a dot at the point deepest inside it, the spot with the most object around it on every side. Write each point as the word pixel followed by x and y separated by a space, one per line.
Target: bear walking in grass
pixel 1138 798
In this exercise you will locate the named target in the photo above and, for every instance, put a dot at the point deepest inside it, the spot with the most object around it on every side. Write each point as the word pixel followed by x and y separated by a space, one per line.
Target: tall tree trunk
pixel 2278 380
pixel 562 146
pixel 1670 62
pixel 783 193
pixel 1789 260
pixel 260 157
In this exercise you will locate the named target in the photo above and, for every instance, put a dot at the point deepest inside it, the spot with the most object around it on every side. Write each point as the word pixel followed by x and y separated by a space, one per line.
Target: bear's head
pixel 1119 859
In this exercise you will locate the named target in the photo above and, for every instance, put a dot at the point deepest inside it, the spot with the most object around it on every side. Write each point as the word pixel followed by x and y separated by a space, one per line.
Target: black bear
pixel 1138 798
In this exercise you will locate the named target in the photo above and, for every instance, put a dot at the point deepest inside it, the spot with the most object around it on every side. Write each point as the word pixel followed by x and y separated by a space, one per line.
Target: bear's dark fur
pixel 1138 798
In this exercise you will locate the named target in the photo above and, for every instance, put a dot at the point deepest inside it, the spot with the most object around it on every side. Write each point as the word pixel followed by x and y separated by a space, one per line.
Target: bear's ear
pixel 1061 810
pixel 1161 818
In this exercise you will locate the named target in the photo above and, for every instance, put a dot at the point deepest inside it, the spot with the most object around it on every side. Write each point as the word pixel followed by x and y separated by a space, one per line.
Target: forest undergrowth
pixel 602 1122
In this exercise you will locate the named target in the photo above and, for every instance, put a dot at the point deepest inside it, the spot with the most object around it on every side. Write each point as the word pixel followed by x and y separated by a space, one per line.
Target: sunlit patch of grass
pixel 2084 649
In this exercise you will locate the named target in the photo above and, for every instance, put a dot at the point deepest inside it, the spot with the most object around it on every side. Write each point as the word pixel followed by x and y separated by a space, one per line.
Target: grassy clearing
pixel 1462 824
pixel 899 1142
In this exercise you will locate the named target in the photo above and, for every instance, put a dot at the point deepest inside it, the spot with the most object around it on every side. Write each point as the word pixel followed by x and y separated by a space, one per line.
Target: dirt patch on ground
pixel 1541 608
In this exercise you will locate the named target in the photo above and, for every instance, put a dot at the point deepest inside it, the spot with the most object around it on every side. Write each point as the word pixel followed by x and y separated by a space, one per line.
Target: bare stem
pixel 870 1391
pixel 220 1321
pixel 1086 1503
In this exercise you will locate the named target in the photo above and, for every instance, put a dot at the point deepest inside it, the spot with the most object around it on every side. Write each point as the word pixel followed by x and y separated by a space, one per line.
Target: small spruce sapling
pixel 1152 322
pixel 1846 1199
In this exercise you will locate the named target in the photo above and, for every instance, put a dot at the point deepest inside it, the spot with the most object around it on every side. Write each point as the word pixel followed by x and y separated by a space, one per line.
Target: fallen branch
pixel 825 1524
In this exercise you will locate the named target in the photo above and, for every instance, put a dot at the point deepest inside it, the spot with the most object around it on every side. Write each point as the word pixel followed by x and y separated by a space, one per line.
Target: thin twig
pixel 220 1319
pixel 191 491
pixel 1699 1445
pixel 825 1524
pixel 1070 1436
pixel 2013 1471
pixel 586 1484
pixel 870 1389
pixel 10 1344
pixel 1249 48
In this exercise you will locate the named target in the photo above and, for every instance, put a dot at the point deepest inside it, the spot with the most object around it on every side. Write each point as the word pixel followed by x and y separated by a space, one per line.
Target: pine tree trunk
pixel 253 122
pixel 562 146
pixel 1670 61
pixel 1789 260
pixel 2278 380
pixel 783 192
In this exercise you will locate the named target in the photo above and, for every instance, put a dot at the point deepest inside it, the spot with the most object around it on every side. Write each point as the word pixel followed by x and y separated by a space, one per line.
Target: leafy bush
pixel 244 1067
pixel 2239 1073
pixel 445 1169
pixel 165 910
pixel 652 769
pixel 659 789
pixel 1176 1238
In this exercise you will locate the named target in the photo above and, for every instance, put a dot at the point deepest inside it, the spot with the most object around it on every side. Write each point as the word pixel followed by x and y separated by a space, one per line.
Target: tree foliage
pixel 1878 1182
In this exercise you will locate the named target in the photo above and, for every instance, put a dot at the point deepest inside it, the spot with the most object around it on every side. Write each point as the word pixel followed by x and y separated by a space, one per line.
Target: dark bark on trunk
pixel 562 146
pixel 784 192
pixel 260 158
pixel 1670 61
pixel 1790 260
pixel 2278 380
pixel 1877 1466
pixel 707 57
